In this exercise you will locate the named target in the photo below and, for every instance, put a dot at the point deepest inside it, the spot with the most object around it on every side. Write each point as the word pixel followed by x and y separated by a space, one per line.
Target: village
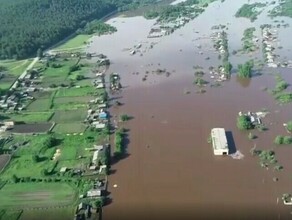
pixel 84 86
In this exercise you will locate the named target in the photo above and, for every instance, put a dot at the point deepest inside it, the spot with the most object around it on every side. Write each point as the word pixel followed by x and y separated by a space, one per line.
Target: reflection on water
pixel 170 163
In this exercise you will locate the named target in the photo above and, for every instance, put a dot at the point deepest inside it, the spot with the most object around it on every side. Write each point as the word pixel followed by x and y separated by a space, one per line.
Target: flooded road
pixel 170 171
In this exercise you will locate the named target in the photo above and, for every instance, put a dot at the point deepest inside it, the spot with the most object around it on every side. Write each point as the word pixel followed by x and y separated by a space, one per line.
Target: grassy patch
pixel 48 214
pixel 15 67
pixel 36 195
pixel 76 42
pixel 42 104
pixel 83 91
pixel 67 116
pixel 69 103
pixel 10 215
pixel 30 117
pixel 66 128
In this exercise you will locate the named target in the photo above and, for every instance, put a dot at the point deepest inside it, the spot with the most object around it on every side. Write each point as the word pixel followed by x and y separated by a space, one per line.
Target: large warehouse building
pixel 219 141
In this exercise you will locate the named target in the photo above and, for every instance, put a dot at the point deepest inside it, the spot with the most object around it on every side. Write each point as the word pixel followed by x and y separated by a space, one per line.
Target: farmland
pixel 32 128
pixel 50 132
pixel 4 158
pixel 71 147
pixel 47 214
pixel 31 195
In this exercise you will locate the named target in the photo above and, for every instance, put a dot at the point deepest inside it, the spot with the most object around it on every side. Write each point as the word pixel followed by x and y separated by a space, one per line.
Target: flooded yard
pixel 171 171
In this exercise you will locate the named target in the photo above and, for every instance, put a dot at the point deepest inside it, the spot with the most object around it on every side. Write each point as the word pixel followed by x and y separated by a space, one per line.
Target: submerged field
pixel 172 118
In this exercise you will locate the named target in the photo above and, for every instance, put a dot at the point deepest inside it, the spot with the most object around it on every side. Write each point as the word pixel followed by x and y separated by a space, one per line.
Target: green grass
pixel 22 164
pixel 70 103
pixel 42 104
pixel 68 116
pixel 15 67
pixel 66 128
pixel 83 91
pixel 66 213
pixel 30 117
pixel 36 195
pixel 5 85
pixel 76 42
pixel 57 75
pixel 10 215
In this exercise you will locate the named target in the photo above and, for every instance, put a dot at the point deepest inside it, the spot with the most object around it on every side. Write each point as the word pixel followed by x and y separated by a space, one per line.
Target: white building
pixel 219 141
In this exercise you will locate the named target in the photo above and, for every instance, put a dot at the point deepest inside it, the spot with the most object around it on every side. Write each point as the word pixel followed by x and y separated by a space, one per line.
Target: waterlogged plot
pixel 31 195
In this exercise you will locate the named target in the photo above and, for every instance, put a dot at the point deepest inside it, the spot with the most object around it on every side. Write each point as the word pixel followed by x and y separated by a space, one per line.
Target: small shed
pixel 94 193
pixel 219 141
pixel 102 115
pixel 63 169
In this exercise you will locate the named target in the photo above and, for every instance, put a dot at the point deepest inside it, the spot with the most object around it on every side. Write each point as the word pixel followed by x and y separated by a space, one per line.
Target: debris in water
pixel 237 155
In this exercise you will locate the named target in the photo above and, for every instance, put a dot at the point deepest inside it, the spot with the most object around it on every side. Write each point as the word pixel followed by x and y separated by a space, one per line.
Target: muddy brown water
pixel 170 171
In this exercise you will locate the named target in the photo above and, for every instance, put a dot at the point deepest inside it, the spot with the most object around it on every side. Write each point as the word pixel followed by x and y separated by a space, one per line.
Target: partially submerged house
pixel 219 141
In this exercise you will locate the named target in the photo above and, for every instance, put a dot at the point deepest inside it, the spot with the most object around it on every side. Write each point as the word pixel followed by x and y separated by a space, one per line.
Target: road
pixel 24 73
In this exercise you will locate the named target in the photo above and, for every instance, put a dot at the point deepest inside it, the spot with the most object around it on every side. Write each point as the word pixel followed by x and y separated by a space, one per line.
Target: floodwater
pixel 170 170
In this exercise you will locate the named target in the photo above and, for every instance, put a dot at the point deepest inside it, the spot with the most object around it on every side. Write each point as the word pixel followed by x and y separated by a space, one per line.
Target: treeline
pixel 27 25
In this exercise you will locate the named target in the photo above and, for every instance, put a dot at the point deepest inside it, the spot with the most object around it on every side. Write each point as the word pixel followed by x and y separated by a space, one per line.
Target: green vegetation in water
pixel 97 27
pixel 289 126
pixel 283 9
pixel 243 123
pixel 119 146
pixel 279 91
pixel 267 157
pixel 250 11
pixel 245 70
pixel 283 140
pixel 184 10
pixel 248 43
pixel 125 117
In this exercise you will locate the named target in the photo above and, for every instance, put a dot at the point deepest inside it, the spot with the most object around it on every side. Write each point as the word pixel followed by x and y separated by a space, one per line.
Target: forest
pixel 27 25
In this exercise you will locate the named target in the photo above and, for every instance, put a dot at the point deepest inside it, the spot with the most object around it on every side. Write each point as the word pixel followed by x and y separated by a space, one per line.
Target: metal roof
pixel 219 139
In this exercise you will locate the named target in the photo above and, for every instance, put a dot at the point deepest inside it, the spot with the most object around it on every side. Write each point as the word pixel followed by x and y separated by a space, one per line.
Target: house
pixel 219 141
pixel 94 193
pixel 9 124
pixel 102 115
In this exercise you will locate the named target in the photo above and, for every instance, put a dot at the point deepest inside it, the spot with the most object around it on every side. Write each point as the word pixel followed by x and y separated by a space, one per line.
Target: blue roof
pixel 102 115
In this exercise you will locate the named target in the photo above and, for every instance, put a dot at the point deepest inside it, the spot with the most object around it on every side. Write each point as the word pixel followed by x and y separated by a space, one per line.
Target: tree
pixel 35 158
pixel 287 140
pixel 40 53
pixel 50 141
pixel 279 140
pixel 124 117
pixel 289 126
pixel 227 67
pixel 243 123
pixel 15 179
pixel 245 70
pixel 45 172
pixel 80 77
